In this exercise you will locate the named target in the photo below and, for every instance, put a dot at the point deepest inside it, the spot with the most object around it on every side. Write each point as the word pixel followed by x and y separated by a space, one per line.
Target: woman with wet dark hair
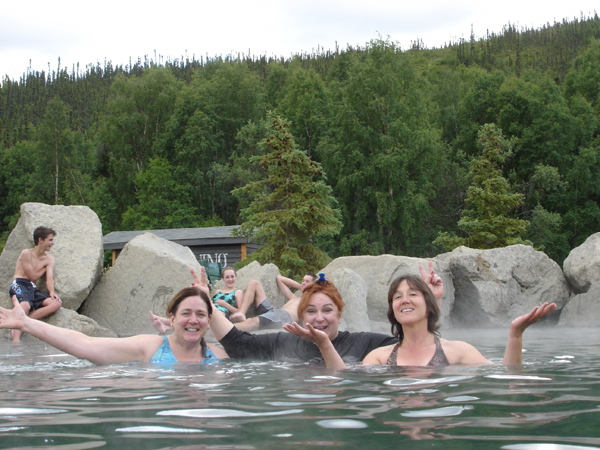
pixel 190 313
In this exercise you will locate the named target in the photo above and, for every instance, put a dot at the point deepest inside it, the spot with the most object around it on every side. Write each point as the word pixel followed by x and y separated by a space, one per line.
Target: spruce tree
pixel 290 206
pixel 489 201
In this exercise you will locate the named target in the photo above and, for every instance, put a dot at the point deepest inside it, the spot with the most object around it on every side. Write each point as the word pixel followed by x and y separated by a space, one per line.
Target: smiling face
pixel 191 319
pixel 229 278
pixel 408 304
pixel 411 300
pixel 47 243
pixel 323 314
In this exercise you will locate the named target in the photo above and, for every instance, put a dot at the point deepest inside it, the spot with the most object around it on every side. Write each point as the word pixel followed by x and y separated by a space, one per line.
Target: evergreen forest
pixel 393 137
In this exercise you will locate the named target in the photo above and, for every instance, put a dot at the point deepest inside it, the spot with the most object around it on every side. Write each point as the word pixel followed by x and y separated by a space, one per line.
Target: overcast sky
pixel 88 32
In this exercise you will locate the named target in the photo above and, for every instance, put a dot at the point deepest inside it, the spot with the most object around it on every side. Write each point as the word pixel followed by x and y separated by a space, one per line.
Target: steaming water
pixel 51 400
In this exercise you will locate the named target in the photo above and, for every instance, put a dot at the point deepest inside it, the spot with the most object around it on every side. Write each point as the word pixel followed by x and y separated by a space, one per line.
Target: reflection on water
pixel 552 402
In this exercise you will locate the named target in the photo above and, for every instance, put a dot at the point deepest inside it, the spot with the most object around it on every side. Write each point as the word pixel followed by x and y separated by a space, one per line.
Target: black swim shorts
pixel 26 291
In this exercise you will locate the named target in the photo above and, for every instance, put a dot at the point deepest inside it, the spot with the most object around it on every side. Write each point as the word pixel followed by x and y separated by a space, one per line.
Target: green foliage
pixel 395 131
pixel 485 220
pixel 163 202
pixel 290 207
pixel 382 152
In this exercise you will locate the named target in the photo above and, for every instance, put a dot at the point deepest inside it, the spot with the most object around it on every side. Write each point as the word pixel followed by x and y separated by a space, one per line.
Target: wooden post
pixel 243 251
pixel 114 256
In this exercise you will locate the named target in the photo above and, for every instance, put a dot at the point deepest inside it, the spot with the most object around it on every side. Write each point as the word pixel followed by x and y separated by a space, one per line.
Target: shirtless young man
pixel 31 265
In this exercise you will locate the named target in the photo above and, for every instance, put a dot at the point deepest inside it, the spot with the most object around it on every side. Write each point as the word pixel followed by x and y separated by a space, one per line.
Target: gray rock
pixel 582 266
pixel 65 318
pixel 353 290
pixel 146 275
pixel 493 287
pixel 267 275
pixel 77 250
pixel 380 271
pixel 583 310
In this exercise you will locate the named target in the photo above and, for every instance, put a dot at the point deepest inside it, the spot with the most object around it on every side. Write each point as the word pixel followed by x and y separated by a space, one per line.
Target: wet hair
pixel 312 275
pixel 433 311
pixel 42 233
pixel 181 296
pixel 225 269
pixel 324 287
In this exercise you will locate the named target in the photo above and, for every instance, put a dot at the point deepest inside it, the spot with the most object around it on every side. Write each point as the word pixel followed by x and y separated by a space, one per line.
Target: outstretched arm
pixel 285 284
pixel 96 350
pixel 332 358
pixel 514 346
pixel 434 282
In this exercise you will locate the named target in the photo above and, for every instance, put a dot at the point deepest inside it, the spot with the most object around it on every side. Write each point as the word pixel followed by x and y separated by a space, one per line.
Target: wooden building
pixel 212 244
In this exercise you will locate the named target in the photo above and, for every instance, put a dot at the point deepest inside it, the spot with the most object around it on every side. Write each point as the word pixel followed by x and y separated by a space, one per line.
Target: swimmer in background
pixel 267 317
pixel 228 300
pixel 190 313
pixel 414 313
pixel 32 264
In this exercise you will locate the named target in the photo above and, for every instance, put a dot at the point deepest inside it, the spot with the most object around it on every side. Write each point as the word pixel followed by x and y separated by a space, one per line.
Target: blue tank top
pixel 164 354
pixel 228 298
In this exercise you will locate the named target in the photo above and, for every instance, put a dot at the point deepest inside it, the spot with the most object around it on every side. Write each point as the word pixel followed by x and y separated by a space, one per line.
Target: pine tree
pixel 489 202
pixel 290 206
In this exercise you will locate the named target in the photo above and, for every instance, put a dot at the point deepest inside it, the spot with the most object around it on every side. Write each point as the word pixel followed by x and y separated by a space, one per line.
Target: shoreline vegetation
pixel 394 133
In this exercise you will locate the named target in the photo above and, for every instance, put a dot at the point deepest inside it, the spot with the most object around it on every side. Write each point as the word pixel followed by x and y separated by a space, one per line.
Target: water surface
pixel 52 400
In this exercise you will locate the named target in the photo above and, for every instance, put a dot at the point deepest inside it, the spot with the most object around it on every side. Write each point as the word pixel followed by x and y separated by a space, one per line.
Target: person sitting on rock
pixel 32 264
pixel 267 317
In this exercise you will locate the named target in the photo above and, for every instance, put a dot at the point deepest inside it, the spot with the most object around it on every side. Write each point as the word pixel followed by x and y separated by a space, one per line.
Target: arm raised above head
pixel 96 350
pixel 285 284
pixel 514 345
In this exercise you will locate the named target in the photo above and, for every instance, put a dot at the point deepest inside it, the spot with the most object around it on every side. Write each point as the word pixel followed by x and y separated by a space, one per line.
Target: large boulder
pixel 380 271
pixel 493 287
pixel 77 250
pixel 583 310
pixel 69 319
pixel 266 274
pixel 582 266
pixel 353 290
pixel 147 274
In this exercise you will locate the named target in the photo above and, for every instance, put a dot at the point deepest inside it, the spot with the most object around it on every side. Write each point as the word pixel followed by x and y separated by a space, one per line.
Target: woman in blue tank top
pixel 189 312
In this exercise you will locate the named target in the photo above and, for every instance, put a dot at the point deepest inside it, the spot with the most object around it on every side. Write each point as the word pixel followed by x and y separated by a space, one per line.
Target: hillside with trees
pixel 394 133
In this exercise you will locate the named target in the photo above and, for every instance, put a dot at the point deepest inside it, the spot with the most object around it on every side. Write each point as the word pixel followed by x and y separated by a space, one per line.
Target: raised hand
pixel 12 318
pixel 200 281
pixel 433 280
pixel 160 326
pixel 520 324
